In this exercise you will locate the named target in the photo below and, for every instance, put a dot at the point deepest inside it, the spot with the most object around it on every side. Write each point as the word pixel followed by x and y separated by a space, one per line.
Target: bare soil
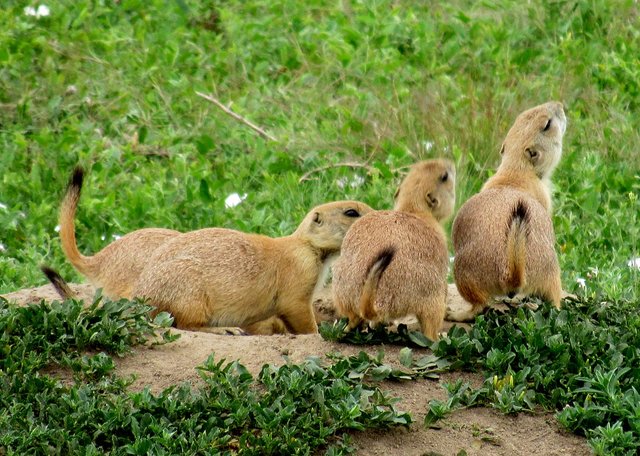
pixel 477 431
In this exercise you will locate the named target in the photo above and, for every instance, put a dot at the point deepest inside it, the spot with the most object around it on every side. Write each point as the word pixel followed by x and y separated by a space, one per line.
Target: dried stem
pixel 236 116
pixel 306 175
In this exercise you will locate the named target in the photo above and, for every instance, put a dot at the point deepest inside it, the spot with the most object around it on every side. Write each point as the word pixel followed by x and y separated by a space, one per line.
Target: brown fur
pixel 394 263
pixel 370 288
pixel 116 267
pixel 219 277
pixel 270 326
pixel 503 237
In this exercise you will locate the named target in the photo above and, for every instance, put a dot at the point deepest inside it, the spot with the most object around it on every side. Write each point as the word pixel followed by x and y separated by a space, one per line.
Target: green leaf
pixel 204 191
pixel 406 357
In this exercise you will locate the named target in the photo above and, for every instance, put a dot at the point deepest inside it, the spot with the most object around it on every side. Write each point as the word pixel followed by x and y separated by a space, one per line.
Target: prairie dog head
pixel 325 226
pixel 430 186
pixel 534 142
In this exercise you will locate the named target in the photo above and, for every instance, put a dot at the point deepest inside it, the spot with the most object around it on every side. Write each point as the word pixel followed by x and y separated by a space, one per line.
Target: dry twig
pixel 306 175
pixel 236 116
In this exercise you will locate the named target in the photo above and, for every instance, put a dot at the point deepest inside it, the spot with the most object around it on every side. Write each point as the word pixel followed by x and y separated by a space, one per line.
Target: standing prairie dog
pixel 116 267
pixel 394 263
pixel 503 236
pixel 218 277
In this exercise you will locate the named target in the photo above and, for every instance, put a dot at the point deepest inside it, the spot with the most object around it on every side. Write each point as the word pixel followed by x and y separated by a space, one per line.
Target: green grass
pixel 385 83
pixel 382 82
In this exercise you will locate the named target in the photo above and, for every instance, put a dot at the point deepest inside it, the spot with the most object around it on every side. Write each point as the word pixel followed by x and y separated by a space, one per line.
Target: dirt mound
pixel 477 431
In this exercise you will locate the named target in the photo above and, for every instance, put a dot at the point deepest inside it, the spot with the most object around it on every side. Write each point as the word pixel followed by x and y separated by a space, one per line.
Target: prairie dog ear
pixel 532 155
pixel 432 201
pixel 502 149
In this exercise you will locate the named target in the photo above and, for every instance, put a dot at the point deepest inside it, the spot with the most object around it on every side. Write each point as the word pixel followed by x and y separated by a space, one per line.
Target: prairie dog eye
pixel 316 218
pixel 444 177
pixel 352 213
pixel 548 125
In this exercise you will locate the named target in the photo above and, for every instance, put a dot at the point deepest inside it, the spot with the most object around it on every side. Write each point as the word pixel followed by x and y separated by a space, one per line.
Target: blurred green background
pixel 111 85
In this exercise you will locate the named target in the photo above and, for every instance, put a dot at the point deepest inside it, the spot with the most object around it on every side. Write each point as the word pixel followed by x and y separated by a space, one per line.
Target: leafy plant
pixel 505 394
pixel 366 367
pixel 290 409
pixel 35 335
pixel 614 440
pixel 337 332
pixel 581 360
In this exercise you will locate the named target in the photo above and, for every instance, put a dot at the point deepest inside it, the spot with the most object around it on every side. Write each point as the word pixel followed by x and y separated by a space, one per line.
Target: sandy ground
pixel 477 431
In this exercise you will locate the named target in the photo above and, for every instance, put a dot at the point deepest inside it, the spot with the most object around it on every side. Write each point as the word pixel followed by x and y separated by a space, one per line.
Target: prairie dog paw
pixel 227 331
pixel 460 313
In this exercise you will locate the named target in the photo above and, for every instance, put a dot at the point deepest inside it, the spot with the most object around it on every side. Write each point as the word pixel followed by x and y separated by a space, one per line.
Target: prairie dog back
pixel 394 263
pixel 503 236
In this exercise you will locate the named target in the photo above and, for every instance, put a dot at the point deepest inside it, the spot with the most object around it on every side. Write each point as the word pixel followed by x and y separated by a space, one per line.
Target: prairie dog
pixel 219 277
pixel 503 236
pixel 394 263
pixel 116 267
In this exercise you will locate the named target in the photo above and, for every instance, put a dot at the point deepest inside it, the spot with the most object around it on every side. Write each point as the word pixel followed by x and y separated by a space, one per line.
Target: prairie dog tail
pixel 67 223
pixel 370 290
pixel 58 282
pixel 516 248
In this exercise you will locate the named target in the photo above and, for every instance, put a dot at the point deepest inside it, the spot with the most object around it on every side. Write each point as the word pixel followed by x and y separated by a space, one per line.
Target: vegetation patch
pixel 293 409
pixel 582 361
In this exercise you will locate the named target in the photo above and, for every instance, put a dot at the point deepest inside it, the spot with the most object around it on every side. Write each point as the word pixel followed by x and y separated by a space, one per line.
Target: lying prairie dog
pixel 503 236
pixel 394 263
pixel 116 267
pixel 218 277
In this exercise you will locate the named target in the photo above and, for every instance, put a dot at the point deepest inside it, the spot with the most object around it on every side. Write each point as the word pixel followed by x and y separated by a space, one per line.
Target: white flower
pixel 116 237
pixel 428 145
pixel 103 237
pixel 634 263
pixel 234 199
pixel 42 11
pixel 355 182
pixel 57 229
pixel 3 206
pixel 581 282
pixel 2 248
